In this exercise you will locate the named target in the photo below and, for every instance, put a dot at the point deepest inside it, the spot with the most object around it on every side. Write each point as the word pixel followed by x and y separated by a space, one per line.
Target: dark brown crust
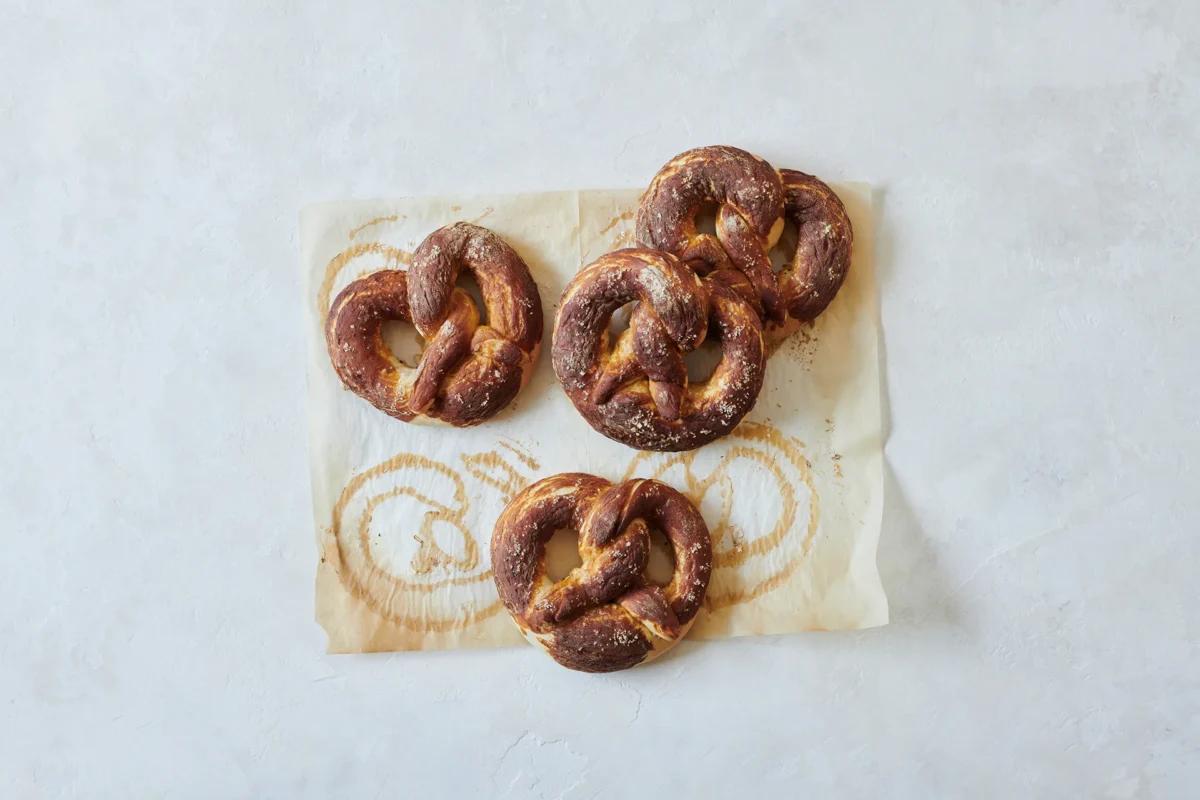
pixel 513 305
pixel 823 248
pixel 353 335
pixel 636 390
pixel 603 616
pixel 468 371
pixel 749 198
pixel 753 199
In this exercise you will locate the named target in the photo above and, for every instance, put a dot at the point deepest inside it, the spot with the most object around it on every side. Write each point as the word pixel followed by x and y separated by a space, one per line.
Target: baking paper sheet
pixel 403 513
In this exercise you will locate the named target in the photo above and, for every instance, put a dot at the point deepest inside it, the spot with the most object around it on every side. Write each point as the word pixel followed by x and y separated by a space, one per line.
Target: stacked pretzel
pixel 690 285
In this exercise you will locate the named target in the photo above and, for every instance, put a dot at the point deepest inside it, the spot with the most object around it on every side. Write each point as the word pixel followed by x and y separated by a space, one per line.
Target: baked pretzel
pixel 467 371
pixel 753 200
pixel 604 615
pixel 636 391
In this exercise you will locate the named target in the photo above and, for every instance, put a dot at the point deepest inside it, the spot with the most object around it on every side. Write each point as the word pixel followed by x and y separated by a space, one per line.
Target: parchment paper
pixel 404 512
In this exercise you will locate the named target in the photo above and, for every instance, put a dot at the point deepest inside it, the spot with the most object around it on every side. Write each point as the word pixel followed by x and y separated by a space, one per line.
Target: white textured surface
pixel 1038 262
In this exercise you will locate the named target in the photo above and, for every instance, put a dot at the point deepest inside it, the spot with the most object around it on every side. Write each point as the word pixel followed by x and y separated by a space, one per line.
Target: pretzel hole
pixel 702 362
pixel 618 323
pixel 784 251
pixel 706 219
pixel 402 339
pixel 466 281
pixel 660 567
pixel 562 554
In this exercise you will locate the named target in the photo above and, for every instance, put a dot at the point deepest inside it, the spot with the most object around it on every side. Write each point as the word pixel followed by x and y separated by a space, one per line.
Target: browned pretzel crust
pixel 753 200
pixel 825 238
pixel 603 616
pixel 468 371
pixel 636 390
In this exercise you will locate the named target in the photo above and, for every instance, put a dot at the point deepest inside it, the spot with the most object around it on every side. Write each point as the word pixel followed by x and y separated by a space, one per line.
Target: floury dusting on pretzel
pixel 467 371
pixel 753 201
pixel 636 390
pixel 604 615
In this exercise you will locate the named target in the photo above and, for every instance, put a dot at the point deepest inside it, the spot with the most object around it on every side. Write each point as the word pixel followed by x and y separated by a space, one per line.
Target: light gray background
pixel 1037 170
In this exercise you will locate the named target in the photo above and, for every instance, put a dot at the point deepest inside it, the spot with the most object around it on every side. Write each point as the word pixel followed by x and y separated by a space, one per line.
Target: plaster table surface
pixel 1036 167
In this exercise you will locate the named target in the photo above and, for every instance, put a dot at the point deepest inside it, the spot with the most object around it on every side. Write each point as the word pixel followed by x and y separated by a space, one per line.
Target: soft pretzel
pixel 603 616
pixel 636 390
pixel 753 200
pixel 467 371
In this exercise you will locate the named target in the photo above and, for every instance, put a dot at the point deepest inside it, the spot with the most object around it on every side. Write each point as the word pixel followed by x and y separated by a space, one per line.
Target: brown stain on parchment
pixel 494 470
pixel 396 258
pixel 377 221
pixel 623 237
pixel 522 455
pixel 770 445
pixel 800 345
pixel 624 216
pixel 502 476
pixel 377 587
pixel 621 240
pixel 430 554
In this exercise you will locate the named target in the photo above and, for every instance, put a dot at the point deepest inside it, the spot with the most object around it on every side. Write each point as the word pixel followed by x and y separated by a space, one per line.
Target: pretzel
pixel 636 391
pixel 604 615
pixel 753 201
pixel 468 371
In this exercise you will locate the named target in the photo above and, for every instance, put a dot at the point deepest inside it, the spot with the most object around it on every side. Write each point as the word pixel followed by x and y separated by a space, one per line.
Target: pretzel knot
pixel 604 615
pixel 753 202
pixel 636 390
pixel 467 371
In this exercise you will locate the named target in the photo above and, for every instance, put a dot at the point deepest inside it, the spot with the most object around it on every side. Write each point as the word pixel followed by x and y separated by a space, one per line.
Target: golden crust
pixel 604 615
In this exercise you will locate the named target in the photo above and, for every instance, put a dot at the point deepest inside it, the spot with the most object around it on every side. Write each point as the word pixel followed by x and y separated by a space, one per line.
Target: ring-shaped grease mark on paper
pixel 354 232
pixel 405 599
pixel 395 259
pixel 779 459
